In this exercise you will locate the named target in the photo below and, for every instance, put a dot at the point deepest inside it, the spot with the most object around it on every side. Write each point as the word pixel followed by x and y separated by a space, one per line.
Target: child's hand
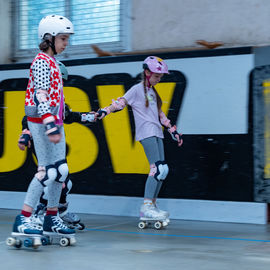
pixel 24 140
pixel 175 135
pixel 101 113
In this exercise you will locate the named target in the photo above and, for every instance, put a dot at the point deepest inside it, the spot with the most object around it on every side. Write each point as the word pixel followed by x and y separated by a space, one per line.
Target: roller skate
pixel 26 234
pixel 149 215
pixel 162 212
pixel 56 231
pixel 72 220
pixel 38 216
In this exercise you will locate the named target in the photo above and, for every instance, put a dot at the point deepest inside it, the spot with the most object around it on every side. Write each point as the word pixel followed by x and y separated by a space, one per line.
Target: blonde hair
pixel 159 101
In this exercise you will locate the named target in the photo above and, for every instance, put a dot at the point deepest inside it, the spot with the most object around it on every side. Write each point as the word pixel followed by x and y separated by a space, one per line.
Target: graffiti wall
pixel 206 94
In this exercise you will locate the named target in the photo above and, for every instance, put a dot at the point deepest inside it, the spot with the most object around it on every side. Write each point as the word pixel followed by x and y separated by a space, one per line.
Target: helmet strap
pixel 148 79
pixel 52 44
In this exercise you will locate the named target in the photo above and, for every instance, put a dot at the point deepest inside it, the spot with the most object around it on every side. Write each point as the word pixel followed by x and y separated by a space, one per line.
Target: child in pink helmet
pixel 149 119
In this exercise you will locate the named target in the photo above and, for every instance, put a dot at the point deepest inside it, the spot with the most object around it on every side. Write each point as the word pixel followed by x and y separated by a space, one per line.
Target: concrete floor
pixel 114 243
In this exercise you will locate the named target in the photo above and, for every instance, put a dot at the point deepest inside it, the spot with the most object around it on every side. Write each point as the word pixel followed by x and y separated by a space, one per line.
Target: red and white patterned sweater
pixel 45 74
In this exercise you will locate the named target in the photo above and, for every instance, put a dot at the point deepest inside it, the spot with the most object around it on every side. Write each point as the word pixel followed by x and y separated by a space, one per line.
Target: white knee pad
pixel 165 170
pixel 51 174
pixel 159 170
pixel 62 171
pixel 69 185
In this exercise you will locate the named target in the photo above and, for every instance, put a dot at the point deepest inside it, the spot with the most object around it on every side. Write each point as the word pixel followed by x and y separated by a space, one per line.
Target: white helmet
pixel 54 25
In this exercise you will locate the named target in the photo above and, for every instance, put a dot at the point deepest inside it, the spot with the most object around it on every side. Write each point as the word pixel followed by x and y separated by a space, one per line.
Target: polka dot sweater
pixel 44 75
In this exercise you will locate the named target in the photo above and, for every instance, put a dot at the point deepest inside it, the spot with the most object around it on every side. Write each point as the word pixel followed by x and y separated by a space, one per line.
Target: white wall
pixel 159 24
pixel 179 23
pixel 5 30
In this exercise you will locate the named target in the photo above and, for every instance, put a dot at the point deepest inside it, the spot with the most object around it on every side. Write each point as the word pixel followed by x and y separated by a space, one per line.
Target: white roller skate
pixel 55 229
pixel 150 215
pixel 72 220
pixel 26 233
pixel 164 213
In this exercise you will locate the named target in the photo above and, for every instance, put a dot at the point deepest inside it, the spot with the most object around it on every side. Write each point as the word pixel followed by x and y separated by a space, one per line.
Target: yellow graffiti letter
pixel 13 158
pixel 83 145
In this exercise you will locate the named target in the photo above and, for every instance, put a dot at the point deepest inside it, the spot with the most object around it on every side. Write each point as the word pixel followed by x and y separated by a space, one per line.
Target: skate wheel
pixel 158 225
pixel 44 241
pixel 64 242
pixel 28 242
pixel 142 225
pixel 81 226
pixel 165 223
pixel 72 241
pixel 18 243
pixel 11 241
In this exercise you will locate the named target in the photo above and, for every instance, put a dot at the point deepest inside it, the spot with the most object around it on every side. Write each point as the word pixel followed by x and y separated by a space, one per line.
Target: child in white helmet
pixel 25 140
pixel 44 108
pixel 149 118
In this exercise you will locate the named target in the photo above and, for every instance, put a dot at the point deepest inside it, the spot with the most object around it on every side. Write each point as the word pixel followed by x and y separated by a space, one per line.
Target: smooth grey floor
pixel 113 243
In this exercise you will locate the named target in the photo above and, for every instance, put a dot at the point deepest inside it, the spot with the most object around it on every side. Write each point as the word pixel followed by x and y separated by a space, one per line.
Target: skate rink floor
pixel 115 242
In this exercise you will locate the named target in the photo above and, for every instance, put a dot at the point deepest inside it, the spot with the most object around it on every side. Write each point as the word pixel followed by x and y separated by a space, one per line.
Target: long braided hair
pixel 159 101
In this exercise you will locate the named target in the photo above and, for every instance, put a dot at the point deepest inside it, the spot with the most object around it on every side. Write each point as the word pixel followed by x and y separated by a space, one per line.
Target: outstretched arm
pixel 116 106
pixel 78 117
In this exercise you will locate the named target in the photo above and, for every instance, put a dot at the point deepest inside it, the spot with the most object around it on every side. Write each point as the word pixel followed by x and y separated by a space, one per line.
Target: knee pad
pixel 67 186
pixel 62 171
pixel 50 175
pixel 159 170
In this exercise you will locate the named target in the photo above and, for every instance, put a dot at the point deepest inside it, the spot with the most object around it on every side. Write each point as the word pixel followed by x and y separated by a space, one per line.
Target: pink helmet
pixel 155 64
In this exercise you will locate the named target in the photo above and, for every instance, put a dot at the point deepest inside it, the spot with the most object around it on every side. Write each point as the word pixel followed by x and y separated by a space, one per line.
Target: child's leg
pixel 151 149
pixel 161 155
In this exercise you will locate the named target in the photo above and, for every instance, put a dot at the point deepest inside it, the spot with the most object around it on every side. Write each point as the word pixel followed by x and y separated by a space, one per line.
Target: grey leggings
pixel 154 150
pixel 47 153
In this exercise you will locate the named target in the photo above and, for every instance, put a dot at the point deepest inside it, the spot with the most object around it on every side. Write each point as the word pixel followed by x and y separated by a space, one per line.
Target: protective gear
pixel 62 171
pixel 159 170
pixel 101 113
pixel 63 70
pixel 119 104
pixel 25 139
pixel 54 25
pixel 88 117
pixel 155 65
pixel 65 190
pixel 51 174
pixel 175 135
pixel 67 186
pixel 51 127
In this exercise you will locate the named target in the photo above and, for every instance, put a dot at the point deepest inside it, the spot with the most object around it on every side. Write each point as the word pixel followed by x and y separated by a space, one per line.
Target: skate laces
pixel 59 222
pixel 35 223
pixel 29 224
